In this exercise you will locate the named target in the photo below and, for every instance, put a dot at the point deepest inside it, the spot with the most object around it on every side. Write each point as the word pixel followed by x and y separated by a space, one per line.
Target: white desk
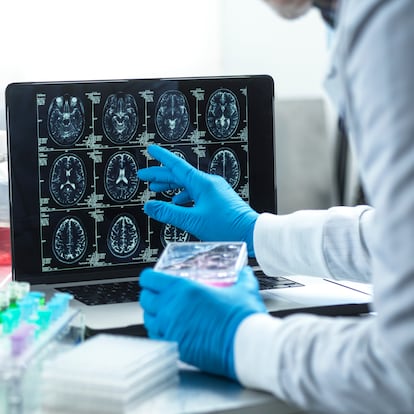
pixel 198 392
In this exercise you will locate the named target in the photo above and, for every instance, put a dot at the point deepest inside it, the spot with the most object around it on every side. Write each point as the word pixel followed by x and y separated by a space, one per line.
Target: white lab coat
pixel 351 365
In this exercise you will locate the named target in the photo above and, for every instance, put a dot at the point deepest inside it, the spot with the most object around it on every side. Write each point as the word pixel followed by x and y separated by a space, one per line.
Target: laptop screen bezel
pixel 24 177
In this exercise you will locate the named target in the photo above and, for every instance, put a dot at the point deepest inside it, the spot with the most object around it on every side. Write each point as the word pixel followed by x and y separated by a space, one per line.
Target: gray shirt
pixel 351 365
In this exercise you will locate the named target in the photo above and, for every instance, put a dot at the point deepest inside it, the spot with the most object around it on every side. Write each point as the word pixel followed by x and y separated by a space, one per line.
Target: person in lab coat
pixel 334 365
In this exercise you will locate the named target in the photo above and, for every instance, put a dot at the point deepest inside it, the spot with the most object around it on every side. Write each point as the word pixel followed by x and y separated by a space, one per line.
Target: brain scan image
pixel 170 233
pixel 172 193
pixel 66 119
pixel 121 181
pixel 120 117
pixel 67 179
pixel 225 162
pixel 69 240
pixel 123 236
pixel 172 116
pixel 222 114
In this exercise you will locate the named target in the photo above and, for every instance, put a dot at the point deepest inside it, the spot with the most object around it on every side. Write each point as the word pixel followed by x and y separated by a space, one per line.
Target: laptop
pixel 77 221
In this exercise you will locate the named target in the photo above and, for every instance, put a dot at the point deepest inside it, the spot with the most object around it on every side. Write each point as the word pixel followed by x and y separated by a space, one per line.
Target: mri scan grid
pixel 91 143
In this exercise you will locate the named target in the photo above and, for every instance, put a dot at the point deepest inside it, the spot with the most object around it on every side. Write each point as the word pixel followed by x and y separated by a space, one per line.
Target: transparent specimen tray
pixel 214 263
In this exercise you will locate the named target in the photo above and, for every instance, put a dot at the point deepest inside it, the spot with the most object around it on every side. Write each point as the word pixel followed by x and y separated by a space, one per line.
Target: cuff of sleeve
pixel 255 353
pixel 292 243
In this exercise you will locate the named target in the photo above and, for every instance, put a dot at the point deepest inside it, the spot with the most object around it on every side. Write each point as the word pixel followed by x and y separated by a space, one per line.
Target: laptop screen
pixel 75 149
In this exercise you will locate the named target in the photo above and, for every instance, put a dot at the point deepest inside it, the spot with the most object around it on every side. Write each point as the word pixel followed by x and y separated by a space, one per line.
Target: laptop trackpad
pixel 274 302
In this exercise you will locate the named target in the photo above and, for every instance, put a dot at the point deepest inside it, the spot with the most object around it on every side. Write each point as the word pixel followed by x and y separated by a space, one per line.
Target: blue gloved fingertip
pixel 152 150
pixel 149 207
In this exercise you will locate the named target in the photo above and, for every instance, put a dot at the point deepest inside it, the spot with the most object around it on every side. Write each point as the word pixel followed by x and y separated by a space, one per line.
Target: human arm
pixel 218 213
pixel 323 243
pixel 366 364
pixel 331 243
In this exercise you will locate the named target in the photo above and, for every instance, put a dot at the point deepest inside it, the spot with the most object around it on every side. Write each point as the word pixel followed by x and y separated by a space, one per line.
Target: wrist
pixel 254 351
pixel 250 234
pixel 256 307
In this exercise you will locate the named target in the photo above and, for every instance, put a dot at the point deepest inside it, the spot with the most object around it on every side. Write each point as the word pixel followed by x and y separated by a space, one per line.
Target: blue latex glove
pixel 218 213
pixel 202 319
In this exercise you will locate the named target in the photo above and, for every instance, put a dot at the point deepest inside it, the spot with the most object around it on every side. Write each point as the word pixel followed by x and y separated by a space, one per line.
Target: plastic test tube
pixel 10 319
pixel 4 304
pixel 14 293
pixel 10 299
pixel 27 307
pixel 59 304
pixel 39 297
pixel 21 338
pixel 44 317
pixel 24 289
pixel 4 301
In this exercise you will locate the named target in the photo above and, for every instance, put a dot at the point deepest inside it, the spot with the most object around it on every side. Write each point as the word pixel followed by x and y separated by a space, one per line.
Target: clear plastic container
pixel 107 374
pixel 213 263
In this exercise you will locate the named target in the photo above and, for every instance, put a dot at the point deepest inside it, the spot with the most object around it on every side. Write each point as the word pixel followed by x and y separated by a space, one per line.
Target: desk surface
pixel 197 392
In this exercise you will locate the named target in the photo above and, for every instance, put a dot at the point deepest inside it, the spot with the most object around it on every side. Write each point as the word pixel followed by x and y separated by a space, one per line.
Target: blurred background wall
pixel 101 39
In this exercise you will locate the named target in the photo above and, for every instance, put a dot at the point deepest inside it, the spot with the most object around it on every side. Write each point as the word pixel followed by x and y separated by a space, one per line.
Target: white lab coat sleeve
pixel 322 364
pixel 357 365
pixel 331 243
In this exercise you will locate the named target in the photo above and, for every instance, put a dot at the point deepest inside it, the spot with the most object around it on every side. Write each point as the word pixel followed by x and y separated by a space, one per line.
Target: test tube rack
pixel 20 374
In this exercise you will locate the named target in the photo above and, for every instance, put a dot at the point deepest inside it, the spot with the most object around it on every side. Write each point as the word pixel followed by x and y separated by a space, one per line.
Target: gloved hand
pixel 218 213
pixel 202 319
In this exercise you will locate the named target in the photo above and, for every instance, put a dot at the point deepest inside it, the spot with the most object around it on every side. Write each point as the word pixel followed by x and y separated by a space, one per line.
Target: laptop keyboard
pixel 274 282
pixel 105 293
pixel 122 292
